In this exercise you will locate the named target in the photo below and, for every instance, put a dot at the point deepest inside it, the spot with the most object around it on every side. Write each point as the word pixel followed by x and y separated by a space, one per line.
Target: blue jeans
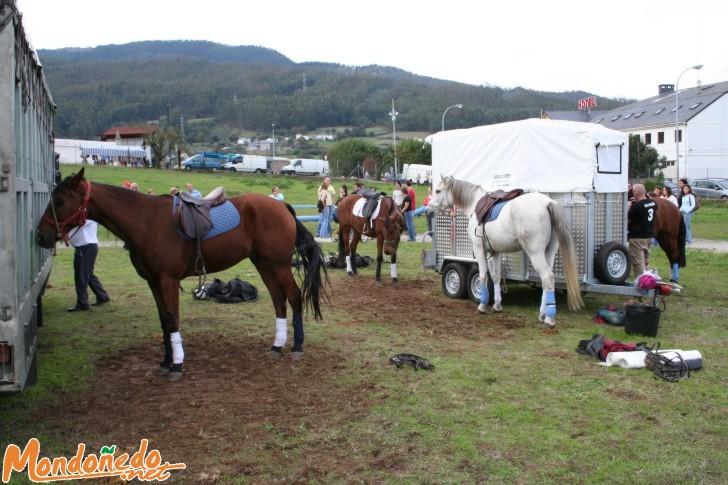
pixel 688 218
pixel 324 222
pixel 409 218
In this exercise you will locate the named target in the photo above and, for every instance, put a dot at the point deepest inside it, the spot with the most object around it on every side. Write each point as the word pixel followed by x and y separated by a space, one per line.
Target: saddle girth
pixel 485 205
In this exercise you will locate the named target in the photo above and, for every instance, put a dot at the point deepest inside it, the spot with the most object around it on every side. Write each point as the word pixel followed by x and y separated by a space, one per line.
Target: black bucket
pixel 641 320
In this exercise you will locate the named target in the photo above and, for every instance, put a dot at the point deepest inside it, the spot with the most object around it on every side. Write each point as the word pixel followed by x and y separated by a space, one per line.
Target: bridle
pixel 80 215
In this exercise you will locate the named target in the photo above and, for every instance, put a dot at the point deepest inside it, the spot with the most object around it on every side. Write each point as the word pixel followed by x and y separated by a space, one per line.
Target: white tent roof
pixel 534 155
pixel 111 149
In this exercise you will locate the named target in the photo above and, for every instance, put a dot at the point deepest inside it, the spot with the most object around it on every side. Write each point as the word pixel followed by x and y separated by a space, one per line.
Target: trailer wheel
pixel 232 169
pixel 612 263
pixel 454 278
pixel 474 286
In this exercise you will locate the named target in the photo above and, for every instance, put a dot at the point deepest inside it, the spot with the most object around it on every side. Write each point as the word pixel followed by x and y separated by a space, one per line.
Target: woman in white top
pixel 687 208
pixel 398 195
pixel 667 194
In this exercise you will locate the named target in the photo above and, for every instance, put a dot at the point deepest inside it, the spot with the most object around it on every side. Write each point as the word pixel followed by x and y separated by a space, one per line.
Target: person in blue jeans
pixel 688 208
pixel 327 199
pixel 409 217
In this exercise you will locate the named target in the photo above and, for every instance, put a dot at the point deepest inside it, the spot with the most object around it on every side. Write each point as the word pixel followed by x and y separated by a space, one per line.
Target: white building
pixel 702 119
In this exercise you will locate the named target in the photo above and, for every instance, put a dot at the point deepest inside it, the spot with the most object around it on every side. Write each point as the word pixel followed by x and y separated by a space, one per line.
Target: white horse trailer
pixel 27 174
pixel 583 166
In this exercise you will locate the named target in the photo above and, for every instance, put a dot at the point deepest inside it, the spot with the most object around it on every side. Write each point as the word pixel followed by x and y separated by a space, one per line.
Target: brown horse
pixel 386 226
pixel 669 229
pixel 268 233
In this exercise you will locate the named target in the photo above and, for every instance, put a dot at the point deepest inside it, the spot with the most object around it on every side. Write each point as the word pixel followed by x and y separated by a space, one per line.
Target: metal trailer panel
pixel 594 218
pixel 27 171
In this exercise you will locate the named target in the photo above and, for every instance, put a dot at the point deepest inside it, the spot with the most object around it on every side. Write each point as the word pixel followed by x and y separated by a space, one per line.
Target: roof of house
pixel 129 131
pixel 660 110
pixel 655 111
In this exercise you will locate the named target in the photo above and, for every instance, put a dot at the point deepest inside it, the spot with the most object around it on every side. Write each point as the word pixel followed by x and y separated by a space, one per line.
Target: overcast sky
pixel 614 48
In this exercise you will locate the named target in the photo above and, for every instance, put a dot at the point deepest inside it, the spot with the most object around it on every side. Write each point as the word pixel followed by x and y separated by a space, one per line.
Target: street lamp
pixel 677 129
pixel 458 106
pixel 394 114
pixel 274 140
pixel 168 106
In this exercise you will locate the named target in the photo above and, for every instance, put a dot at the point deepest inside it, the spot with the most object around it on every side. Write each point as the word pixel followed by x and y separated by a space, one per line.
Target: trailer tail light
pixel 6 353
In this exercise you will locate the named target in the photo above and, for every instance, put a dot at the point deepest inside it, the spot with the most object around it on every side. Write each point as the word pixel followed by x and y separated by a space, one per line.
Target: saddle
pixel 192 214
pixel 485 205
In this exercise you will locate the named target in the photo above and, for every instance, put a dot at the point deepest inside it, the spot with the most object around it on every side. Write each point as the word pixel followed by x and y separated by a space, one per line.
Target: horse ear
pixel 76 178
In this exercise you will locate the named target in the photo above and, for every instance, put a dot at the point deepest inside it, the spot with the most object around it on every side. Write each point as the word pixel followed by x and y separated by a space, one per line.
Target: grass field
pixel 507 403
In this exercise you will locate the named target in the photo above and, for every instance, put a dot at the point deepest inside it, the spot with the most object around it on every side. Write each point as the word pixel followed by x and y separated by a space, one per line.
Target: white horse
pixel 533 223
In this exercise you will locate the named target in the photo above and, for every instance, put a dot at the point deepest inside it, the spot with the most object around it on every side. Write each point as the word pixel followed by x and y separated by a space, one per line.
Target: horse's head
pixel 442 198
pixel 392 228
pixel 66 209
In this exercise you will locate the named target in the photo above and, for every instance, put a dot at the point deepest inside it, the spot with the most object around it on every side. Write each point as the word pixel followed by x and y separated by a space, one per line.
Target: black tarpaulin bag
pixel 233 291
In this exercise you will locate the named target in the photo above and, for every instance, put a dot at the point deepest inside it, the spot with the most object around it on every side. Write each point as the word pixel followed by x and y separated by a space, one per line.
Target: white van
pixel 419 174
pixel 247 163
pixel 306 166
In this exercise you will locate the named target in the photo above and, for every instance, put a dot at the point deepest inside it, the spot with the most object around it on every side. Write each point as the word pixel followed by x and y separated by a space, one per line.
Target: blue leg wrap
pixel 484 294
pixel 550 304
pixel 675 271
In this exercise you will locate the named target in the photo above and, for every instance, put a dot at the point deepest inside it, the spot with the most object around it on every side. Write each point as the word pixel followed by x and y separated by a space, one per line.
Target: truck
pixel 27 178
pixel 584 166
pixel 205 161
pixel 306 166
pixel 247 163
pixel 418 173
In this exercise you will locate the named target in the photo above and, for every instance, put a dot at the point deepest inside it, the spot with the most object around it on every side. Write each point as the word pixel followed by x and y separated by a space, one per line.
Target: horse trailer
pixel 583 166
pixel 27 175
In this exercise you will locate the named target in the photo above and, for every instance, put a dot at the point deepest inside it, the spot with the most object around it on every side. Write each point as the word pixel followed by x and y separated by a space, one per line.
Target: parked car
pixel 710 188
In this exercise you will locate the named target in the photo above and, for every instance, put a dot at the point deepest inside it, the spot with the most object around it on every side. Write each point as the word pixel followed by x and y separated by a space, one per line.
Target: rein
pixel 80 214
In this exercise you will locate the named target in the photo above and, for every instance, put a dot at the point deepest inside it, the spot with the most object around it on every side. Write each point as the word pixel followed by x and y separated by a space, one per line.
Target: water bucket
pixel 641 320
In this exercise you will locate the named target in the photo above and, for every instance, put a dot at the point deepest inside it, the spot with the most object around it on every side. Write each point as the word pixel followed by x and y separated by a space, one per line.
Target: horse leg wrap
pixel 393 270
pixel 297 332
pixel 178 353
pixel 281 332
pixel 497 298
pixel 550 304
pixel 348 264
pixel 675 272
pixel 483 294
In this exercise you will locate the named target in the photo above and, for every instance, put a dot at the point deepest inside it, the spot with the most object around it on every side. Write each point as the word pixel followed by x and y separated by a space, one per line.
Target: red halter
pixel 80 214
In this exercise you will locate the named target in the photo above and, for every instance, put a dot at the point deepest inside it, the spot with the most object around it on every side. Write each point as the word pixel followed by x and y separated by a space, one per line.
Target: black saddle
pixel 192 215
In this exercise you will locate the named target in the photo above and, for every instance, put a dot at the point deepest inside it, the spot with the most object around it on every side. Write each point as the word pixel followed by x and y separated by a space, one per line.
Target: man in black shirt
pixel 640 223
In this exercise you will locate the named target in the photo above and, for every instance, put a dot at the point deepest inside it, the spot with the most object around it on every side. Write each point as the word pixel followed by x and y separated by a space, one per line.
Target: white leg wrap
pixel 281 332
pixel 178 353
pixel 542 310
pixel 393 270
pixel 348 264
pixel 497 298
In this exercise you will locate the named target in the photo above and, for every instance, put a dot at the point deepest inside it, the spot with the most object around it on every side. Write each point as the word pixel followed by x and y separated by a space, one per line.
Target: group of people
pixel 641 216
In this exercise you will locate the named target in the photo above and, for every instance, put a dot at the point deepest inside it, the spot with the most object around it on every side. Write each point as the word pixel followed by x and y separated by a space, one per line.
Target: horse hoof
pixel 161 371
pixel 298 355
pixel 395 283
pixel 542 317
pixel 174 376
pixel 482 309
pixel 497 308
pixel 274 354
pixel 378 283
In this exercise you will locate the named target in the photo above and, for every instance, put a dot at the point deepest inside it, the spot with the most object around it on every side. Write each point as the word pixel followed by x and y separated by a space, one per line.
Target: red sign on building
pixel 586 103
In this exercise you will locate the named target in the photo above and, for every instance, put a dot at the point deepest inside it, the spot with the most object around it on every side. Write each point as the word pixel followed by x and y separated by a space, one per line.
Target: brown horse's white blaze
pixel 386 227
pixel 268 233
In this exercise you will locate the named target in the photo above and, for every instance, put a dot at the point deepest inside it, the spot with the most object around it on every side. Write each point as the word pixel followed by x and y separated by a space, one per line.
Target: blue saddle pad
pixel 224 217
pixel 495 211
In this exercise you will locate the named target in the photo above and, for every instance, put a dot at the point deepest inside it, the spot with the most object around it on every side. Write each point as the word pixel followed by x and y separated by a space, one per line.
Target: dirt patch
pixel 235 402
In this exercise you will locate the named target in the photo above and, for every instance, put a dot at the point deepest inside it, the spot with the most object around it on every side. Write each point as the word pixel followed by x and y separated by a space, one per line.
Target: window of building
pixel 616 117
pixel 675 109
pixel 660 137
pixel 648 138
pixel 696 105
pixel 628 116
pixel 659 111
pixel 639 114
pixel 678 135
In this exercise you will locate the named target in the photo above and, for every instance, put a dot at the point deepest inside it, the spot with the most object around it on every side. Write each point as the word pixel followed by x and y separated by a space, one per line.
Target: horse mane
pixel 463 193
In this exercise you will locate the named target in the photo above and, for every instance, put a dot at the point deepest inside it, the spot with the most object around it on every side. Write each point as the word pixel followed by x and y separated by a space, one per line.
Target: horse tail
pixel 568 255
pixel 310 254
pixel 681 235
